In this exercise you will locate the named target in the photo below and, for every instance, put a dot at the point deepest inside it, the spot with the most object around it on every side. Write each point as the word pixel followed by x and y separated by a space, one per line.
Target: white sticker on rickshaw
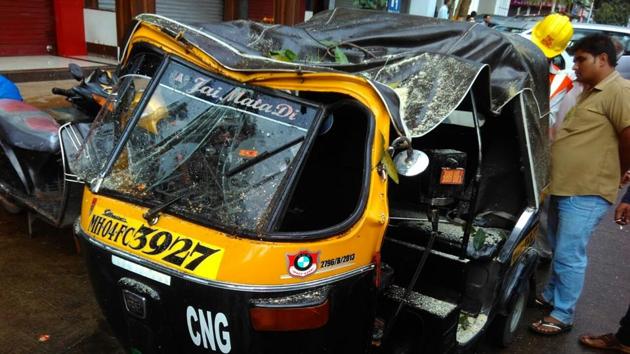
pixel 141 270
pixel 208 330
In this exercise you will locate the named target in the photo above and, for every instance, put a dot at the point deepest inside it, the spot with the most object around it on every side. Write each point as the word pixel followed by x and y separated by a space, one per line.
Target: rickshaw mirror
pixel 75 71
pixel 411 162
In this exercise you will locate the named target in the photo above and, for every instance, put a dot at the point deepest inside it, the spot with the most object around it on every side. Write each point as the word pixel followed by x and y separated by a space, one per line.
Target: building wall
pixel 494 7
pixel 100 27
pixel 502 7
pixel 423 7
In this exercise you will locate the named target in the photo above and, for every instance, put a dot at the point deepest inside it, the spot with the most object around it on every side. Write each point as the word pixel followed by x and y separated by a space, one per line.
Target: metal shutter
pixel 108 5
pixel 344 3
pixel 188 11
pixel 26 27
pixel 257 10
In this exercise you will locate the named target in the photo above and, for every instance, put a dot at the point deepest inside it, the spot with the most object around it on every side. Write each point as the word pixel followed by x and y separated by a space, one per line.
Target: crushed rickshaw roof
pixel 422 67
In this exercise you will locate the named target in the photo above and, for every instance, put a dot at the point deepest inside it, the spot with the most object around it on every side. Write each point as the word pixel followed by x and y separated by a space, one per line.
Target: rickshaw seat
pixel 27 127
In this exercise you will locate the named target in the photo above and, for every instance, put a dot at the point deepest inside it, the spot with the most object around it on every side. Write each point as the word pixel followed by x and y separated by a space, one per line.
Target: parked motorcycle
pixel 35 146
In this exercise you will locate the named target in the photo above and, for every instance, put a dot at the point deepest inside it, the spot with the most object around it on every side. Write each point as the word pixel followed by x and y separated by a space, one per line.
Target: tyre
pixel 505 326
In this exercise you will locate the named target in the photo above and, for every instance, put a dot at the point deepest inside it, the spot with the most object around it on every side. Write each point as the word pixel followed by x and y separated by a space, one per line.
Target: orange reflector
pixel 100 100
pixel 248 153
pixel 452 176
pixel 289 318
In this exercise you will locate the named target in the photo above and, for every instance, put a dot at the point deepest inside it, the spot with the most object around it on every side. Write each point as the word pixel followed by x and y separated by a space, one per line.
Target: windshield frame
pixel 280 198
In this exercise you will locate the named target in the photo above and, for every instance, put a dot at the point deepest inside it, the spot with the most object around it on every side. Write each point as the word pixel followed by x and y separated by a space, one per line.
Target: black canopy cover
pixel 422 67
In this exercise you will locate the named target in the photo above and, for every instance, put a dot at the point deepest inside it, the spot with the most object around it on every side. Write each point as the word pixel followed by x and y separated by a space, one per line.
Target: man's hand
pixel 622 213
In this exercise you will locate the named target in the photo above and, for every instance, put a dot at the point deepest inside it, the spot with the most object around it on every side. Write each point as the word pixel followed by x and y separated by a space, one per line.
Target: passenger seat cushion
pixel 27 127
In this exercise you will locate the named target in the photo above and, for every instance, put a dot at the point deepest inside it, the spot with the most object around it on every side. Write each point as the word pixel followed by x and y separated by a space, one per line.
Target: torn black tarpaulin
pixel 422 67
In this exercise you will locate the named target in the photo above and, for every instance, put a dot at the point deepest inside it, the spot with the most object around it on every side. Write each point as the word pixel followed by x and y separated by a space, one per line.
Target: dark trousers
pixel 623 335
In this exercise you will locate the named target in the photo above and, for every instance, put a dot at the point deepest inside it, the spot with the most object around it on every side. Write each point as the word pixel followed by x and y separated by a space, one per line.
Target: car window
pixel 624 38
pixel 579 33
pixel 623 66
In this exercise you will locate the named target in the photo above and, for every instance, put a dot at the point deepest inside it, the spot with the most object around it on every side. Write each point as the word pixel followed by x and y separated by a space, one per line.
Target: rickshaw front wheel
pixel 505 326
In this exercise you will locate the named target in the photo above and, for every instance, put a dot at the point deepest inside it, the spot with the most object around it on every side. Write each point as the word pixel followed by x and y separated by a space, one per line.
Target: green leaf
pixel 370 4
pixel 479 238
pixel 329 44
pixel 383 150
pixel 284 55
pixel 464 321
pixel 390 168
pixel 340 57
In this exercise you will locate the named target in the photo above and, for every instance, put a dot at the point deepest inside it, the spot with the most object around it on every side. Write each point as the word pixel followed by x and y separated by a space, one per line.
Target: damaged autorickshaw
pixel 361 182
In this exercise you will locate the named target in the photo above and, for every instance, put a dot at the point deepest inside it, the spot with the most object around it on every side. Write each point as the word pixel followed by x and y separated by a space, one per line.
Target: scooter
pixel 35 147
pixel 91 92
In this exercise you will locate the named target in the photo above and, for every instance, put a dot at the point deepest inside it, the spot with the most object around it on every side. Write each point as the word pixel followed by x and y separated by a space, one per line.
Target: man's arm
pixel 622 213
pixel 624 149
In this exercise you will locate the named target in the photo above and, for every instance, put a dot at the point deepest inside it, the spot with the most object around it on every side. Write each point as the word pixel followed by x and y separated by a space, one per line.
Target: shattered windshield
pixel 218 149
pixel 107 128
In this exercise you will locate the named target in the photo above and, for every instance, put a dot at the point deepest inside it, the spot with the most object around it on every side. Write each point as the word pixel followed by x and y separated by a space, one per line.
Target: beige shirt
pixel 585 154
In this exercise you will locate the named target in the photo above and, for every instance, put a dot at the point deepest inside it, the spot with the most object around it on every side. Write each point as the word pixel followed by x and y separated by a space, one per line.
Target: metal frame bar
pixel 148 93
pixel 472 205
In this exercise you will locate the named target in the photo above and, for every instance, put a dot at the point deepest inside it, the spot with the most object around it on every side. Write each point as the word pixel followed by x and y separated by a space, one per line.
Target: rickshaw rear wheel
pixel 505 326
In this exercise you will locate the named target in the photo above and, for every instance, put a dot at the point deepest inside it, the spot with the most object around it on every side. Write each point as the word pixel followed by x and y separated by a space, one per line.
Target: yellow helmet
pixel 552 34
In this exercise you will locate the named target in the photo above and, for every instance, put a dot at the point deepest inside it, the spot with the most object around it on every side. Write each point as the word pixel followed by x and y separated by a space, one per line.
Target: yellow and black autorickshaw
pixel 361 182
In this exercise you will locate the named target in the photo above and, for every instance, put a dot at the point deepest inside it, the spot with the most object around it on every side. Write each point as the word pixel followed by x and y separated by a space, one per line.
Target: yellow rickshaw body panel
pixel 246 261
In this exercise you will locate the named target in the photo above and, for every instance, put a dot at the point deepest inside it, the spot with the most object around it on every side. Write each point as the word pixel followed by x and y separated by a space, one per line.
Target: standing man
pixel 591 149
pixel 552 35
pixel 443 12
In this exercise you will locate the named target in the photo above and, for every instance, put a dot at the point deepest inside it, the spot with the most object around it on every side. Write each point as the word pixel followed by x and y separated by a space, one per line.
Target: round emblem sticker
pixel 303 263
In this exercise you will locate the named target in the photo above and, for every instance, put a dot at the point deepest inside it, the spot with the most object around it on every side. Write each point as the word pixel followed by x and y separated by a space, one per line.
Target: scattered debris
pixel 469 326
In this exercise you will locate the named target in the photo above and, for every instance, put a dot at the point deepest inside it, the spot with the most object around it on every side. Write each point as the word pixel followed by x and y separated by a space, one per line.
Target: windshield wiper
pixel 263 156
pixel 152 215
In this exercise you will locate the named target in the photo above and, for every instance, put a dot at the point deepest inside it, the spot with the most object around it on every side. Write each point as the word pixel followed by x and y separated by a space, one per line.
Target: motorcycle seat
pixel 26 127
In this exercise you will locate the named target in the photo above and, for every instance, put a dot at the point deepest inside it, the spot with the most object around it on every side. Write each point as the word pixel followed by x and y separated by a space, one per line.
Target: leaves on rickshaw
pixel 333 50
pixel 390 168
pixel 479 238
pixel 385 160
pixel 340 57
pixel 284 55
pixel 464 320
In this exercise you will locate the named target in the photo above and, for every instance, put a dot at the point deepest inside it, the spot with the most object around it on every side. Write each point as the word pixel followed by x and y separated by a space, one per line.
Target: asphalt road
pixel 44 290
pixel 604 300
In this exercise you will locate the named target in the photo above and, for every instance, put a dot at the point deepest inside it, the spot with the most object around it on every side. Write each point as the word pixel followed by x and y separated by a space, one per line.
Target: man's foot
pixel 541 303
pixel 550 326
pixel 605 341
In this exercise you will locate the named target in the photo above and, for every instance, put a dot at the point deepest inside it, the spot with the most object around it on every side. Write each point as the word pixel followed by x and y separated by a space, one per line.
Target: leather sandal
pixel 606 341
pixel 547 328
pixel 540 302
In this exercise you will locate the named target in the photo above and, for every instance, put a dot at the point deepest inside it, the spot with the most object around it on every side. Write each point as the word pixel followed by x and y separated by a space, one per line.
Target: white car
pixel 580 30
